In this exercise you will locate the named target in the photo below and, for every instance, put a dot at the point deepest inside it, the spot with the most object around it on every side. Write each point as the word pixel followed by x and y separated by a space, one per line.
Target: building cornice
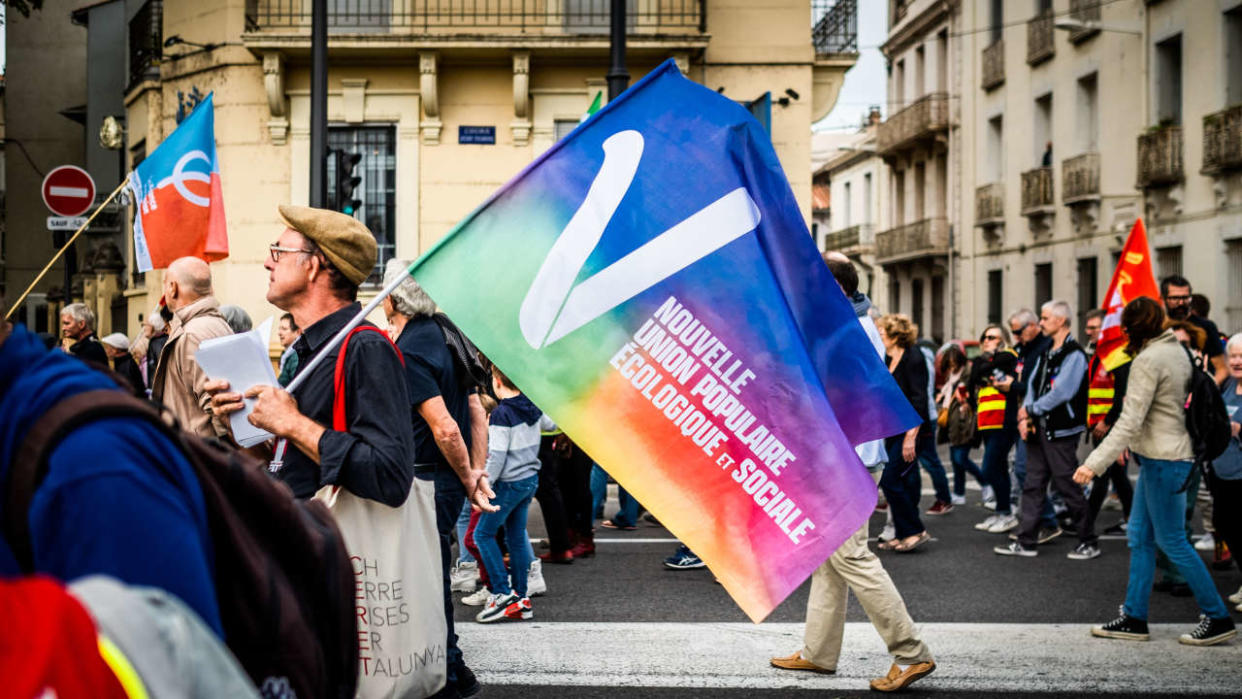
pixel 917 26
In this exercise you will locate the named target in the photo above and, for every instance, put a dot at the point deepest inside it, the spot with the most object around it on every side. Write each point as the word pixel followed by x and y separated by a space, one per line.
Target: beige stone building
pixel 1076 118
pixel 408 79
pixel 922 152
pixel 1026 136
pixel 856 179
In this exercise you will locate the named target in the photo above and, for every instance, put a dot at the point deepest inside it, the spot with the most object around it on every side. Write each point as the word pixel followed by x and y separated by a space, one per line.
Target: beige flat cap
pixel 344 240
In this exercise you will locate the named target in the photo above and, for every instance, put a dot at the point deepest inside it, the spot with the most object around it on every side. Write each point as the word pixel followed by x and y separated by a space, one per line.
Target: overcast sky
pixel 865 83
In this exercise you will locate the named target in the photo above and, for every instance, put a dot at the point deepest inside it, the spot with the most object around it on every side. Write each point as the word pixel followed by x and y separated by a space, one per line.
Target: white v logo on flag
pixel 555 307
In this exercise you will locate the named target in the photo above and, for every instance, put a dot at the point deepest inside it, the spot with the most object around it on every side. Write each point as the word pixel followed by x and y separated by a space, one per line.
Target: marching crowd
pixel 119 503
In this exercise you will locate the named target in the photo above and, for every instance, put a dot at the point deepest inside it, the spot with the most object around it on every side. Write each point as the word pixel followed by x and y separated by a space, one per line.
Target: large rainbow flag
pixel 650 283
pixel 1132 278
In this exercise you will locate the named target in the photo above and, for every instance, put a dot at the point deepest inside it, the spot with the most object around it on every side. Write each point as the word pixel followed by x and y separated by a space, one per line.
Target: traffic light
pixel 346 181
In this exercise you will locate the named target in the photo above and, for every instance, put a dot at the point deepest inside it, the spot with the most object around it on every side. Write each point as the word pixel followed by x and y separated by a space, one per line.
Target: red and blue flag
pixel 179 202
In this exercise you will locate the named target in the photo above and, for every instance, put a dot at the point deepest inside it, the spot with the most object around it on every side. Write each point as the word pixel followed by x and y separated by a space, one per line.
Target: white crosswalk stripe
pixel 1056 658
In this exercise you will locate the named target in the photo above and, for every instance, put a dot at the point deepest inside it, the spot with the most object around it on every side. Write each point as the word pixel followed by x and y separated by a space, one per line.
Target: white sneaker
pixel 958 500
pixel 1003 524
pixel 478 599
pixel 464 577
pixel 1207 542
pixel 535 584
pixel 1236 597
pixel 987 523
pixel 889 532
pixel 496 608
pixel 987 494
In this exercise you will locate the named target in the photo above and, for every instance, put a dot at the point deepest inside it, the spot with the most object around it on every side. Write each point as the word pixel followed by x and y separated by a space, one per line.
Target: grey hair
pixel 237 318
pixel 1057 307
pixel 1025 316
pixel 156 320
pixel 81 313
pixel 408 298
pixel 1235 341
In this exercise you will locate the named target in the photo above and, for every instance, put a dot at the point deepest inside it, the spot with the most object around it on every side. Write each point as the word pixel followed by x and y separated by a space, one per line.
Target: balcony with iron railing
pixel 926 238
pixel 990 205
pixel 1160 157
pixel 994 65
pixel 925 119
pixel 1222 141
pixel 1080 178
pixel 478 17
pixel 835 28
pixel 1037 191
pixel 851 240
pixel 1040 39
pixel 1087 13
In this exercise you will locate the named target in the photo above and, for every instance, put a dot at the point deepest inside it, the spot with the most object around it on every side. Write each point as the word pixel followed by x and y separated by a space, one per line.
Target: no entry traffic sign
pixel 68 191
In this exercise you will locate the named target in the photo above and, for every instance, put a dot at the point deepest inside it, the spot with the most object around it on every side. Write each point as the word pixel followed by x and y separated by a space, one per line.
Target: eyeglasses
pixel 277 250
pixel 1179 299
pixel 993 338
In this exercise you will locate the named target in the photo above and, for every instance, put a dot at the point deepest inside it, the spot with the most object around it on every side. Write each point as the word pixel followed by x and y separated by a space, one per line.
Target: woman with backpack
pixel 1152 426
pixel 957 420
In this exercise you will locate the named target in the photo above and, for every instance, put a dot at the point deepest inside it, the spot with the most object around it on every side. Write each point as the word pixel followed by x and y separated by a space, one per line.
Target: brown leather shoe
pixel 797 662
pixel 896 680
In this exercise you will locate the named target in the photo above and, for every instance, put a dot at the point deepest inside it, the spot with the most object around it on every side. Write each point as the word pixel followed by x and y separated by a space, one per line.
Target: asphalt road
pixel 622 625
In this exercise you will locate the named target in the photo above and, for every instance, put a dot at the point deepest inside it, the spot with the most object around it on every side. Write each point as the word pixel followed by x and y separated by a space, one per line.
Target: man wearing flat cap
pixel 315 268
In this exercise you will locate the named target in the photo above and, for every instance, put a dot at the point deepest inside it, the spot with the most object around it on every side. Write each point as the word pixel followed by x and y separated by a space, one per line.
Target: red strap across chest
pixel 338 378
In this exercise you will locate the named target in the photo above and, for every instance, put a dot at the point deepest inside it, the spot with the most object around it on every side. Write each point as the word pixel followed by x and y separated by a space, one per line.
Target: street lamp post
pixel 319 104
pixel 618 76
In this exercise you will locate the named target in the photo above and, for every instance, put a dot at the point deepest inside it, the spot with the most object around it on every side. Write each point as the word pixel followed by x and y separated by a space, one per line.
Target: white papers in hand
pixel 242 360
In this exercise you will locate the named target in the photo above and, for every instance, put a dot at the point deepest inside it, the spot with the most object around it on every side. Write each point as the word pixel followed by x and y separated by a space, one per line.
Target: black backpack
pixel 1207 420
pixel 471 373
pixel 283 579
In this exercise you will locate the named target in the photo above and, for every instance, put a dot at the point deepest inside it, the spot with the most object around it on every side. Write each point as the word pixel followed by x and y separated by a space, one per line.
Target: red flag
pixel 1133 278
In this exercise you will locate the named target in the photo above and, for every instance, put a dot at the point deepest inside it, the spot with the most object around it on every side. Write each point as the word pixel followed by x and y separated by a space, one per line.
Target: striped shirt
pixel 513 434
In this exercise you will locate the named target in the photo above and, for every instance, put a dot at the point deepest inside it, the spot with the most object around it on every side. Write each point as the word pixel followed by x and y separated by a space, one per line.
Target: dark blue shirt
pixel 119 499
pixel 430 372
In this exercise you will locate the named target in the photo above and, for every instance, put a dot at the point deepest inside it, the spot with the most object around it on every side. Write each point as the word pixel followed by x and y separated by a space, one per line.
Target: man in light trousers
pixel 855 567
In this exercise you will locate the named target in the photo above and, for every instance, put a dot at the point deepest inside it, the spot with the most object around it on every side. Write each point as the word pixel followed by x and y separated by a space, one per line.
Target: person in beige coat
pixel 178 381
pixel 1152 426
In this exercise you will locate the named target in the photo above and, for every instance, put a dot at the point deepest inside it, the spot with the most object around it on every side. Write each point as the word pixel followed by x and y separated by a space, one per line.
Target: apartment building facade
pixel 446 100
pixel 857 184
pixel 1080 116
pixel 920 147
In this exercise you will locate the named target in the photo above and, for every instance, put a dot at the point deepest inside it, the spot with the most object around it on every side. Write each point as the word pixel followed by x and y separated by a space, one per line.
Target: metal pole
pixel 618 77
pixel 319 104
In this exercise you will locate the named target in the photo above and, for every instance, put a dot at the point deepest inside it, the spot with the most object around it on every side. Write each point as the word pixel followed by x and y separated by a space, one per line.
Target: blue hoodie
pixel 119 499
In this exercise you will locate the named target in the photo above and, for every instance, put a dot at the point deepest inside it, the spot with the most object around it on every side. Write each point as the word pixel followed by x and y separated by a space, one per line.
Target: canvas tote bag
pixel 395 554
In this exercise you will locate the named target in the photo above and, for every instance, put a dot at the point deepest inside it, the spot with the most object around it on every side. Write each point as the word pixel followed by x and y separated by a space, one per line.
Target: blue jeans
pixel 627 514
pixel 599 491
pixel 1158 519
pixel 1048 517
pixel 463 523
pixel 513 499
pixel 996 445
pixel 960 458
pixel 902 485
pixel 930 460
pixel 450 496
